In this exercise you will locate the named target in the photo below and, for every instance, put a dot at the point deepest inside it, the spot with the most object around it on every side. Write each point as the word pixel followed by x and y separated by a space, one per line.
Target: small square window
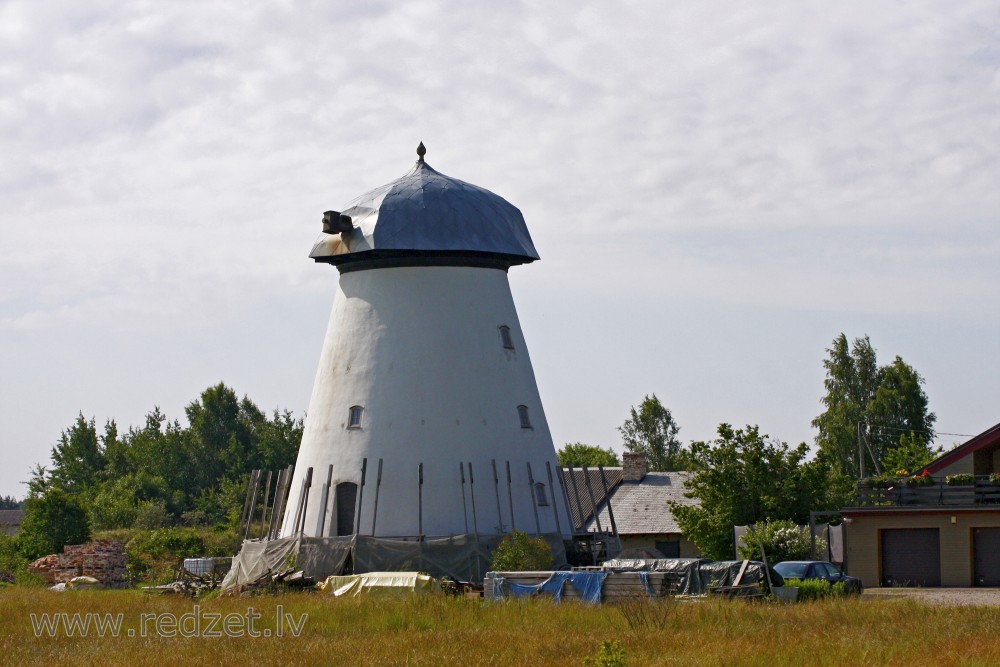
pixel 354 418
pixel 540 494
pixel 522 414
pixel 505 338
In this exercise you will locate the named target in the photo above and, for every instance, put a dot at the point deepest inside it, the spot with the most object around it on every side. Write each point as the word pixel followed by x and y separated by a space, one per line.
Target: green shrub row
pixel 817 589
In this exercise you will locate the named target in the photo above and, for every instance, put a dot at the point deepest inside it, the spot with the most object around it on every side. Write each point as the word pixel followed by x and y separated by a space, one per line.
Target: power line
pixel 920 430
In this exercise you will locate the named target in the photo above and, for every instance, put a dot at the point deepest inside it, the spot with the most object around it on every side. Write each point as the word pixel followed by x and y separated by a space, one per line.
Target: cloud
pixel 165 165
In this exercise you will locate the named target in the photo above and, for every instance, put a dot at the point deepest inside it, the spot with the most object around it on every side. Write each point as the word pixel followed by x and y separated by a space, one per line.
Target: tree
pixel 78 458
pixel 10 503
pixel 742 478
pixel 910 456
pixel 519 551
pixel 578 455
pixel 652 430
pixel 51 521
pixel 870 410
pixel 162 471
pixel 782 540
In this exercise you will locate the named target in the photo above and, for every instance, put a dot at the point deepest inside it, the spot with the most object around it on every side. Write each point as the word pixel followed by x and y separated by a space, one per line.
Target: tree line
pixel 876 421
pixel 159 474
pixel 164 473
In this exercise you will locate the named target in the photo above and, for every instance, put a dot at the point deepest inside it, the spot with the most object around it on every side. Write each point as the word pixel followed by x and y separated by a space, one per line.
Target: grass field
pixel 456 631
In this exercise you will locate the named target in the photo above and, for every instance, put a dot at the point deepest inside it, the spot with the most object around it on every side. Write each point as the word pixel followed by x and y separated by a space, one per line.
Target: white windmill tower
pixel 425 419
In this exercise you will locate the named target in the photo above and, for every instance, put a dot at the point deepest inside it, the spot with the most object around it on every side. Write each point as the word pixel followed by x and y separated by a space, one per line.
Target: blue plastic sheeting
pixel 644 578
pixel 586 584
pixel 552 586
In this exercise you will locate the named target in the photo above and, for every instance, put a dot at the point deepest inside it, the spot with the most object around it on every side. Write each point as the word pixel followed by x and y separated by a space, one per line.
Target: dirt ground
pixel 977 597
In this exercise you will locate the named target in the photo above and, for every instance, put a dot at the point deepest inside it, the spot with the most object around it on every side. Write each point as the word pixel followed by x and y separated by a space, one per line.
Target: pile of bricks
pixel 103 560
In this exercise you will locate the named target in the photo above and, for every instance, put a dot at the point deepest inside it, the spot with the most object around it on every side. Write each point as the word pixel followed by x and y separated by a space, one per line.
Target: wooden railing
pixel 939 492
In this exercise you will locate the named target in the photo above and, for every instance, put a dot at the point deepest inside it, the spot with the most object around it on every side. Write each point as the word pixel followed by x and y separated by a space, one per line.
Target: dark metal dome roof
pixel 429 215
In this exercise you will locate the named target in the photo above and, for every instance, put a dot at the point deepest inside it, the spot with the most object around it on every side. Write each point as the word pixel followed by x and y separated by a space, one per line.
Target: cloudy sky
pixel 716 190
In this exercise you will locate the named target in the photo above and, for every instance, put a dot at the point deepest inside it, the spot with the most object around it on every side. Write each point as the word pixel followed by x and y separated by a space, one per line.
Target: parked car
pixel 818 569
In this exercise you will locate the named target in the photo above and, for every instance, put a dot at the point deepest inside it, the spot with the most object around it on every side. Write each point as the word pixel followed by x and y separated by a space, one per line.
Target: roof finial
pixel 421 152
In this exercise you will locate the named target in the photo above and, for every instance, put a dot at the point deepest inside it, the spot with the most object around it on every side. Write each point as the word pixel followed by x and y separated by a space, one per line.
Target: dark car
pixel 818 569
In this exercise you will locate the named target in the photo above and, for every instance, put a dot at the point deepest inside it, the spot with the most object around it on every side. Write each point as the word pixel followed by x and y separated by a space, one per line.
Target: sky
pixel 716 189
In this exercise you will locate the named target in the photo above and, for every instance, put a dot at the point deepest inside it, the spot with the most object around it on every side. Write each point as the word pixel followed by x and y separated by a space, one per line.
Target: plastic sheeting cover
pixel 462 556
pixel 587 585
pixel 380 583
pixel 694 576
pixel 316 556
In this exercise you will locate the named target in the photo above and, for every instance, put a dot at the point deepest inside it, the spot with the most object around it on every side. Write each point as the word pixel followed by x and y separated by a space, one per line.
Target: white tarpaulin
pixel 380 583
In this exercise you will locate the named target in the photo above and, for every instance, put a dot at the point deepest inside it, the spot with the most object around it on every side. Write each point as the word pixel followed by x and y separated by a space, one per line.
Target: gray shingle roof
pixel 641 508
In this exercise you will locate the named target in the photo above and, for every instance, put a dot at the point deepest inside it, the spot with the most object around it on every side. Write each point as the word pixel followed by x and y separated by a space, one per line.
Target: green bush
pixel 519 552
pixel 782 540
pixel 51 521
pixel 153 554
pixel 167 542
pixel 610 654
pixel 152 514
pixel 119 503
pixel 817 589
pixel 13 564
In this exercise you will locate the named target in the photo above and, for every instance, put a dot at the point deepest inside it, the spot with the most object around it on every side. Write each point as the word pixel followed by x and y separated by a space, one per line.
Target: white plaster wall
pixel 419 348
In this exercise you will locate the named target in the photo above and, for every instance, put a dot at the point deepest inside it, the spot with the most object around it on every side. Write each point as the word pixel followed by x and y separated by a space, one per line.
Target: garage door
pixel 986 550
pixel 911 557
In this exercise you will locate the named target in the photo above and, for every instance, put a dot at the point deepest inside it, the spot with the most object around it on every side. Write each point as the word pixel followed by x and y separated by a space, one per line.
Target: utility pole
pixel 861 455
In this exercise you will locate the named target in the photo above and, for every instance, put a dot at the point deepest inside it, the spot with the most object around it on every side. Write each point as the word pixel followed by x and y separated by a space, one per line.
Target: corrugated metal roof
pixel 642 508
pixel 580 507
pixel 424 210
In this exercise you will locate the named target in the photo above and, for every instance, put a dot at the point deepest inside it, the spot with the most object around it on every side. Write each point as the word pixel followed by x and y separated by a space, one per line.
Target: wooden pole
pixel 593 502
pixel 510 499
pixel 576 494
pixel 496 488
pixel 275 502
pixel 465 511
pixel 324 501
pixel 247 502
pixel 298 507
pixel 420 500
pixel 533 499
pixel 267 493
pixel 378 485
pixel 555 506
pixel 255 475
pixel 361 494
pixel 305 498
pixel 472 494
pixel 475 523
pixel 607 499
pixel 286 490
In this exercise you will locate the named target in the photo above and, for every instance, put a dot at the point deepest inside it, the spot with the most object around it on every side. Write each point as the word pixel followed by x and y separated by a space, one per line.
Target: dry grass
pixel 440 631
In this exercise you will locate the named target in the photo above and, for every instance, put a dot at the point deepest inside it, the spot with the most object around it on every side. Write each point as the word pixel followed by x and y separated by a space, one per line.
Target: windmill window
pixel 522 414
pixel 505 338
pixel 540 495
pixel 354 417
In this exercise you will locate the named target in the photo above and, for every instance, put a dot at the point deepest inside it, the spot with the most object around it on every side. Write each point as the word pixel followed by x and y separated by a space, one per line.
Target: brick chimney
pixel 634 466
